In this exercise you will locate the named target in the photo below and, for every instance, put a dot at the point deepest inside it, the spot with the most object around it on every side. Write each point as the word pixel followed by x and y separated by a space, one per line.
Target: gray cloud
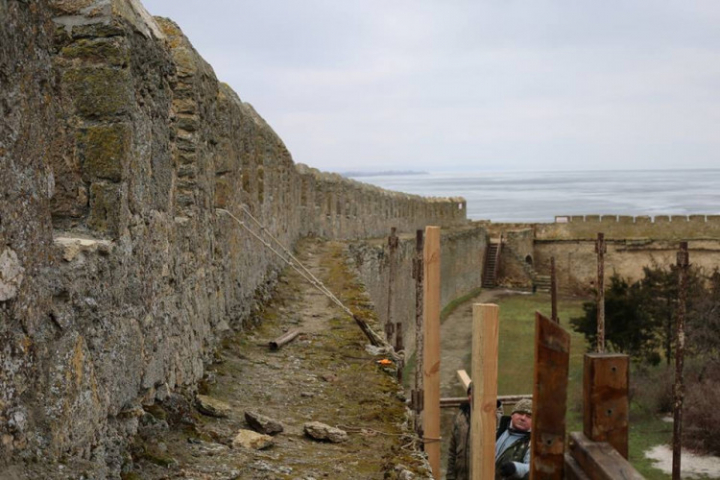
pixel 467 85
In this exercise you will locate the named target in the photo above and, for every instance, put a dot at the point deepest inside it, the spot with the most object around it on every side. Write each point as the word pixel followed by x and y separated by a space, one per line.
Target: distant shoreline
pixel 538 197
pixel 388 173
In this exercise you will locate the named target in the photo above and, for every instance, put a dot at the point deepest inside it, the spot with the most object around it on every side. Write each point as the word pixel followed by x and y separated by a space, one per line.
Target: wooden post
pixel 600 249
pixel 683 263
pixel 605 399
pixel 484 371
pixel 552 361
pixel 431 360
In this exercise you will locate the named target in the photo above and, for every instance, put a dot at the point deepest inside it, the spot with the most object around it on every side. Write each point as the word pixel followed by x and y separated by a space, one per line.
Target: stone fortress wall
pixel 118 273
pixel 462 254
pixel 659 227
pixel 632 244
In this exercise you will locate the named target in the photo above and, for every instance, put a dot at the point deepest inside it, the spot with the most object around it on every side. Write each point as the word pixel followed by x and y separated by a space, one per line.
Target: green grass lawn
pixel 515 371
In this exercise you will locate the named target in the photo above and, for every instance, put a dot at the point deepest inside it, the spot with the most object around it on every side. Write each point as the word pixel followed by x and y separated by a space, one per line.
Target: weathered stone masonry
pixel 462 252
pixel 632 243
pixel 117 274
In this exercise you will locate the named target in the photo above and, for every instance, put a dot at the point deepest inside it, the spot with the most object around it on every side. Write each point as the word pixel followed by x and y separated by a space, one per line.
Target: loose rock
pixel 321 431
pixel 252 440
pixel 212 406
pixel 261 423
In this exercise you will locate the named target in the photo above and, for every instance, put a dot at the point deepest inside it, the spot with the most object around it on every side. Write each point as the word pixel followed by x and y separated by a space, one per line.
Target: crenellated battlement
pixel 658 227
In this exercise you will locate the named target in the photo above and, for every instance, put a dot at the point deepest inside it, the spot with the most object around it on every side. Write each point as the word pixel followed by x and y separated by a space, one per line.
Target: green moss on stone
pixel 104 208
pixel 110 51
pixel 157 411
pixel 103 150
pixel 99 92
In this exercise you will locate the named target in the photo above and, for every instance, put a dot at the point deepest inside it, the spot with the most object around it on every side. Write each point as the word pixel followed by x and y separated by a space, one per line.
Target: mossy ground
pixel 324 375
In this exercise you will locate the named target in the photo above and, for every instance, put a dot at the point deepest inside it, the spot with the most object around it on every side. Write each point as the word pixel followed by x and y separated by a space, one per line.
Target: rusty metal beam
pixel 683 263
pixel 606 405
pixel 552 360
pixel 418 277
pixel 553 291
pixel 600 249
pixel 392 249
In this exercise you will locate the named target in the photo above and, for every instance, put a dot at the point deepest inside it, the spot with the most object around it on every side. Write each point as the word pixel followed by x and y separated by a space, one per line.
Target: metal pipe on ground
pixel 283 339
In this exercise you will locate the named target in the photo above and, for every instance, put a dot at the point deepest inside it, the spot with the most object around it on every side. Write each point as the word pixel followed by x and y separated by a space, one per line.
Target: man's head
pixel 522 415
pixel 470 392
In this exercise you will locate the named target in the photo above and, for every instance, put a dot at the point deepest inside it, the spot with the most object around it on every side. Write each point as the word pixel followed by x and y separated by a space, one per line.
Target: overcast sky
pixel 458 85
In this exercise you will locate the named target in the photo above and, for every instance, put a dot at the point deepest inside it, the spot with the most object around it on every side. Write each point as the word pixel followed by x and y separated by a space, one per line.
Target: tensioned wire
pixel 288 257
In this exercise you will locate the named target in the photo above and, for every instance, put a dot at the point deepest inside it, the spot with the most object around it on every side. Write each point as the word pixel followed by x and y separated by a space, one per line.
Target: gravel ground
pixel 324 375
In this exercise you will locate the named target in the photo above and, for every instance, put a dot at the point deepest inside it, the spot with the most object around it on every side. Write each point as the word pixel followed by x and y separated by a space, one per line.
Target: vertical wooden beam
pixel 431 361
pixel 484 372
pixel 605 399
pixel 552 360
pixel 600 249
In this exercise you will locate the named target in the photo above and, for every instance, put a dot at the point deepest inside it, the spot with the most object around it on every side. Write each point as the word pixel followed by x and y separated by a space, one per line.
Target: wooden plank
pixel 485 369
pixel 431 362
pixel 464 378
pixel 599 460
pixel 573 471
pixel 552 360
pixel 605 399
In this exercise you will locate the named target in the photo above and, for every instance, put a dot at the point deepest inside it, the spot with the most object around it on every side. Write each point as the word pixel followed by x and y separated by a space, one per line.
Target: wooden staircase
pixel 492 262
pixel 542 283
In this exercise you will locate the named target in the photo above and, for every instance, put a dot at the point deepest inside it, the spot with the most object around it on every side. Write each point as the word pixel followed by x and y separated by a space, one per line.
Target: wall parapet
pixel 670 227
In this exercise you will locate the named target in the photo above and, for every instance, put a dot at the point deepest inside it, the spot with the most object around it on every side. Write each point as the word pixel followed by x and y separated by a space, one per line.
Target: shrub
pixel 652 389
pixel 702 417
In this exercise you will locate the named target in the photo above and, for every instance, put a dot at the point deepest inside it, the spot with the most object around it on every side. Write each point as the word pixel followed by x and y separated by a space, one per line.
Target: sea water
pixel 540 196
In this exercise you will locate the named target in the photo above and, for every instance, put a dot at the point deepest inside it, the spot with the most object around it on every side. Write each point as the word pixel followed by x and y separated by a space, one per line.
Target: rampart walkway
pixel 324 375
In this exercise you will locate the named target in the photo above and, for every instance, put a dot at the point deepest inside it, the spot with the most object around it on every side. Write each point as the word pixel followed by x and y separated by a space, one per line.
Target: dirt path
pixel 325 375
pixel 456 342
pixel 692 465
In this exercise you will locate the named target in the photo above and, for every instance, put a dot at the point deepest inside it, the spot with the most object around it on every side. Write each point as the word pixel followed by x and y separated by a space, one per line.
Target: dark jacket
pixel 458 467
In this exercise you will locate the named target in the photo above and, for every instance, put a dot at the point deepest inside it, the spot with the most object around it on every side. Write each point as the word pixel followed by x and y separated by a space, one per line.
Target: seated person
pixel 512 447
